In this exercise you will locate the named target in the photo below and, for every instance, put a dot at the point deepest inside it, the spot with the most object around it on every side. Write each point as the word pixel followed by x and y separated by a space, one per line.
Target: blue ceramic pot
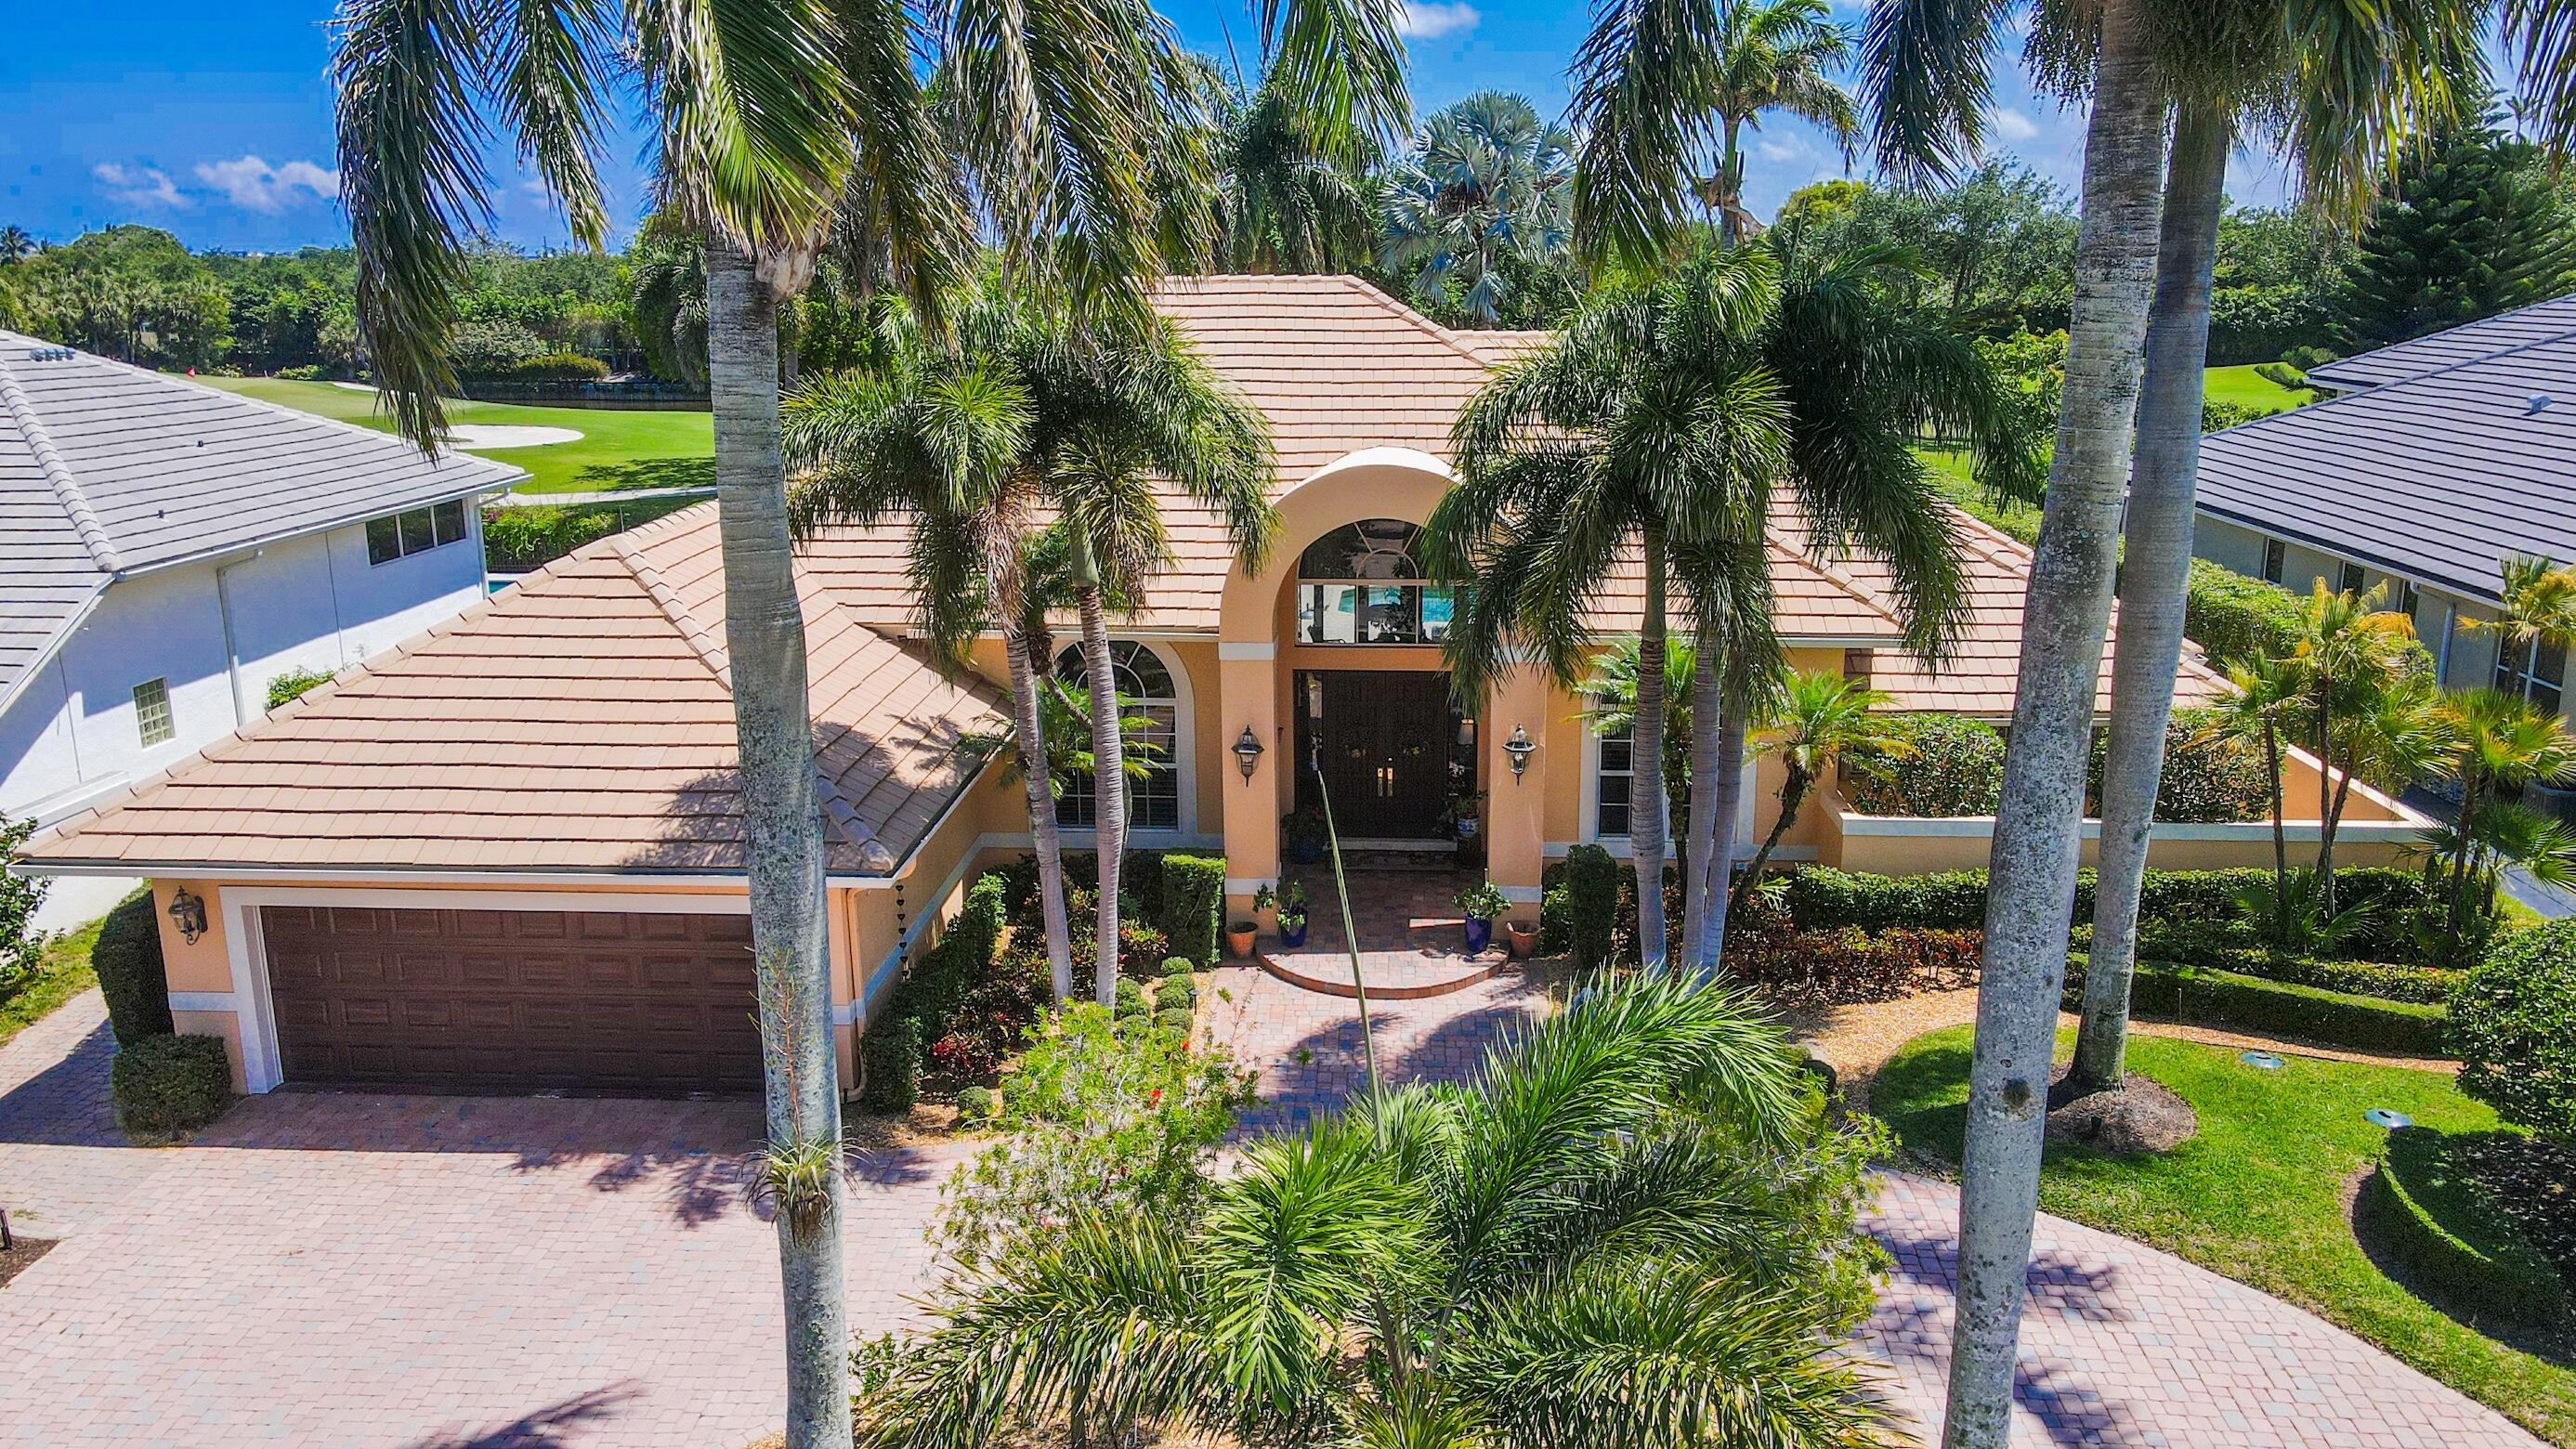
pixel 1480 934
pixel 1293 939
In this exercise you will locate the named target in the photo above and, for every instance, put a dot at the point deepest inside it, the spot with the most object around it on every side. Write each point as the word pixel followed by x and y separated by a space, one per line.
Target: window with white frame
pixel 1361 584
pixel 2536 671
pixel 1610 779
pixel 1146 692
pixel 417 530
pixel 152 720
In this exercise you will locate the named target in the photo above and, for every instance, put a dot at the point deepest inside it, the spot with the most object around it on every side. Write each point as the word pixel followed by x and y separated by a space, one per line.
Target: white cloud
pixel 1431 19
pixel 251 182
pixel 1780 151
pixel 2013 126
pixel 138 185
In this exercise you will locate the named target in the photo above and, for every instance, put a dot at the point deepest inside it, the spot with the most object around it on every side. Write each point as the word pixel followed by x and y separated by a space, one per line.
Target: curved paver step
pixel 1390 976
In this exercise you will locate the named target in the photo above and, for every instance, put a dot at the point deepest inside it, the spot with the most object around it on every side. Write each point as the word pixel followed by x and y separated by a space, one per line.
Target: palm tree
pixel 1287 200
pixel 1772 55
pixel 2339 86
pixel 2349 656
pixel 1649 430
pixel 1819 719
pixel 2538 609
pixel 1031 413
pixel 1631 1228
pixel 1925 64
pixel 1612 688
pixel 2260 706
pixel 1486 179
pixel 2501 743
pixel 15 245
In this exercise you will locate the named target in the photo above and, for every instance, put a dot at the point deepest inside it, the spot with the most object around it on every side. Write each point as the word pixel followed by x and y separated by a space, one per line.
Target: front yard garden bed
pixel 2262 1195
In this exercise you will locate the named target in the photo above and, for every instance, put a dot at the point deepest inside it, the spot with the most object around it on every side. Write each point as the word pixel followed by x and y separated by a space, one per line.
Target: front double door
pixel 1384 742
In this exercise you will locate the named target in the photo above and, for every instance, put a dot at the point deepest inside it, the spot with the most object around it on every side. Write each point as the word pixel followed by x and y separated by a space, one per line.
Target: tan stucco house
pixel 508 854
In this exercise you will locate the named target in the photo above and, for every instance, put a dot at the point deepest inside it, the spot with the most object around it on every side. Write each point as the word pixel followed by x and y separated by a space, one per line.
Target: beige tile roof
pixel 1980 675
pixel 580 722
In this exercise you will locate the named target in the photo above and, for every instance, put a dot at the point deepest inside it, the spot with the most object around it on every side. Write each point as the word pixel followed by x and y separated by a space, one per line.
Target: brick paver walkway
pixel 424 1271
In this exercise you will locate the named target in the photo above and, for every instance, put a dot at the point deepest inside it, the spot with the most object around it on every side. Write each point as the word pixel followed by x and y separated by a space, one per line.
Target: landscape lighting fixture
pixel 2388 1118
pixel 2260 1061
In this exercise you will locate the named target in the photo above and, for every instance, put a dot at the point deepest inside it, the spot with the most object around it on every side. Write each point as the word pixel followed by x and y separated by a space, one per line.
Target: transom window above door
pixel 1362 584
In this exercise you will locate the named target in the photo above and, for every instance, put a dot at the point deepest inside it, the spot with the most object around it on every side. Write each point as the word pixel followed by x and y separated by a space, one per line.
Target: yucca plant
pixel 1632 1227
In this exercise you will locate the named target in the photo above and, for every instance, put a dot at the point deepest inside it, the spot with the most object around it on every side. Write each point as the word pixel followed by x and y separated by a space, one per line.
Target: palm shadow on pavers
pixel 692 1152
pixel 64 1103
pixel 555 1424
pixel 2058 1283
pixel 1912 1336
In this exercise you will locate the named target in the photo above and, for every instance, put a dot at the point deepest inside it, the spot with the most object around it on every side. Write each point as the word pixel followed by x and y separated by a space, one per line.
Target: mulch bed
pixel 22 1255
pixel 2141 1115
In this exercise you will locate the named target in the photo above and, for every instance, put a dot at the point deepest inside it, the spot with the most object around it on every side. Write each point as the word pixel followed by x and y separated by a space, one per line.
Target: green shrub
pixel 891 1056
pixel 934 990
pixel 1855 965
pixel 168 1086
pixel 1174 1019
pixel 532 537
pixel 550 367
pixel 307 372
pixel 1131 998
pixel 1592 904
pixel 1956 768
pixel 294 684
pixel 128 961
pixel 1178 966
pixel 2233 617
pixel 2221 945
pixel 1821 898
pixel 2287 1009
pixel 2207 777
pixel 1176 991
pixel 2422 1207
pixel 2513 1026
pixel 21 949
pixel 977 1103
pixel 1555 920
pixel 1193 917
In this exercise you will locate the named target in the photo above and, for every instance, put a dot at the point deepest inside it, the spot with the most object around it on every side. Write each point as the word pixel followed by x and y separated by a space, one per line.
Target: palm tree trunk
pixel 1029 723
pixel 1728 788
pixel 2038 829
pixel 1793 794
pixel 1646 774
pixel 2325 795
pixel 2280 831
pixel 783 826
pixel 1108 764
pixel 2153 577
pixel 1707 708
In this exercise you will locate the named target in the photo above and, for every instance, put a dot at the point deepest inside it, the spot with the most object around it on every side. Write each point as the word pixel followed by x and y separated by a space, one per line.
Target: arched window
pixel 1361 584
pixel 1145 690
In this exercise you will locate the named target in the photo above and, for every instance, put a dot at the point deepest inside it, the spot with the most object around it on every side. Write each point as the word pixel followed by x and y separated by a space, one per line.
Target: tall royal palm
pixel 1926 65
pixel 1029 415
pixel 2339 83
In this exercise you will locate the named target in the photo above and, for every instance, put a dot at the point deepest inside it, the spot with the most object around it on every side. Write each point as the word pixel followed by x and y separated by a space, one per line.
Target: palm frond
pixel 1924 69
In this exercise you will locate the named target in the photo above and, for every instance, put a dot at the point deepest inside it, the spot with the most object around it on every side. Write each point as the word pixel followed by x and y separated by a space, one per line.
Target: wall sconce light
pixel 1520 749
pixel 1247 752
pixel 188 913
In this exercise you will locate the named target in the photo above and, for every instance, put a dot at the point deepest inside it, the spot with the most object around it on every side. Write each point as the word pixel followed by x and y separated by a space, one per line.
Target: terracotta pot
pixel 1238 939
pixel 1524 937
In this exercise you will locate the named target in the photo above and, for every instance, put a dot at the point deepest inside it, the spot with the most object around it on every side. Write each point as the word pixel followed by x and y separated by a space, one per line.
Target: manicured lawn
pixel 62 974
pixel 2259 1196
pixel 2239 385
pixel 617 450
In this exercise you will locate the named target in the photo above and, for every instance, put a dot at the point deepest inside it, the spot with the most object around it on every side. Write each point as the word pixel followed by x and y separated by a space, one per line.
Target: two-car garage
pixel 478 1000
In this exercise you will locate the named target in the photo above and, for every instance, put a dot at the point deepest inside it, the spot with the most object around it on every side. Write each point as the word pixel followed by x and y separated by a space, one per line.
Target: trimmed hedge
pixel 891 1054
pixel 1590 911
pixel 2233 617
pixel 929 997
pixel 1956 768
pixel 130 975
pixel 2282 1008
pixel 2206 777
pixel 1194 907
pixel 2513 1026
pixel 169 1086
pixel 1855 965
pixel 2420 1207
pixel 1822 898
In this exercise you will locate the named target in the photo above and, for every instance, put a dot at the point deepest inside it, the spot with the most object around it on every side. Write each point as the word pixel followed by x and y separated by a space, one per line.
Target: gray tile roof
pixel 2465 343
pixel 2436 477
pixel 108 470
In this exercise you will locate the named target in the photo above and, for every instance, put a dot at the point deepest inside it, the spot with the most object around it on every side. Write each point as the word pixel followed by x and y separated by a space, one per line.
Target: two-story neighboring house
pixel 167 549
pixel 2436 460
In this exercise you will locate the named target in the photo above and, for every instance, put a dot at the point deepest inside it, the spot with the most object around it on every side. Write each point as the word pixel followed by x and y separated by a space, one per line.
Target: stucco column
pixel 1516 806
pixel 1248 688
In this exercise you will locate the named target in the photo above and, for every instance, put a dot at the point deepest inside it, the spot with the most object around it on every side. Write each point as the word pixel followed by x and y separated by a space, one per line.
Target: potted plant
pixel 1481 903
pixel 1463 819
pixel 1291 902
pixel 1524 938
pixel 1238 938
pixel 1305 826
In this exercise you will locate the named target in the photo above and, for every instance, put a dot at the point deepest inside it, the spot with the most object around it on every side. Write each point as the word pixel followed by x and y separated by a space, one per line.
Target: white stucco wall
pixel 304 603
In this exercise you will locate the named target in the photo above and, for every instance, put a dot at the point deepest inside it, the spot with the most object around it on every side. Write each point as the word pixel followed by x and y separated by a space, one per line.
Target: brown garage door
pixel 512 1000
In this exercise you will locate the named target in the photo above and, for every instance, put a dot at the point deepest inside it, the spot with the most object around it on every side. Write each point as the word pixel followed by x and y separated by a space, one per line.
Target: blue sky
pixel 215 120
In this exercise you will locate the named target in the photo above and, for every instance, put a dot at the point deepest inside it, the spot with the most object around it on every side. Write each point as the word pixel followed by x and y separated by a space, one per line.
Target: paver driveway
pixel 418 1271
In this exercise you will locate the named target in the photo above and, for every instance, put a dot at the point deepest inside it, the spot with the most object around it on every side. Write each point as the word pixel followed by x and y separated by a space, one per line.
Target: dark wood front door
pixel 1385 750
pixel 462 1000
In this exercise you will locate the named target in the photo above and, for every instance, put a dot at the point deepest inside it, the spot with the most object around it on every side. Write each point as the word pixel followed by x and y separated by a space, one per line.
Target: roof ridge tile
pixel 58 473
